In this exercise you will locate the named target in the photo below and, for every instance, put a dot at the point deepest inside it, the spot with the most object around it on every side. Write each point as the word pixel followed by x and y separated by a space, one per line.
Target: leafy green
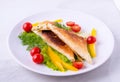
pixel 31 40
pixel 61 26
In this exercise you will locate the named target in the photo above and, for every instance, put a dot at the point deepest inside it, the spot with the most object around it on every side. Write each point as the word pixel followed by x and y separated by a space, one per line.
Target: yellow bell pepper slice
pixel 59 65
pixel 58 20
pixel 68 66
pixel 55 59
pixel 91 47
pixel 58 62
pixel 93 32
pixel 35 24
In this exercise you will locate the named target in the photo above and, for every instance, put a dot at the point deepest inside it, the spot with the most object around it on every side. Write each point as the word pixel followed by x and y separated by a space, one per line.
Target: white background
pixel 12 11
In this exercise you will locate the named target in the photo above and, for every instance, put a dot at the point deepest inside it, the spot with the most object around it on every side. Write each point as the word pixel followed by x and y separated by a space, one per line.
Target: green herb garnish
pixel 61 26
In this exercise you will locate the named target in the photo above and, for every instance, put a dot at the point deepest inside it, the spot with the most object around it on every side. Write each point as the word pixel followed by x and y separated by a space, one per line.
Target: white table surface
pixel 12 11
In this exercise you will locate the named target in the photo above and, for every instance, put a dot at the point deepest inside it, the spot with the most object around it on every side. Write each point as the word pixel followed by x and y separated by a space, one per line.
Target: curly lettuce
pixel 32 40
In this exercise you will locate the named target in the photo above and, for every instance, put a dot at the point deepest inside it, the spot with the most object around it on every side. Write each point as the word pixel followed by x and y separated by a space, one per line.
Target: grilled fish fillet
pixel 52 40
pixel 76 43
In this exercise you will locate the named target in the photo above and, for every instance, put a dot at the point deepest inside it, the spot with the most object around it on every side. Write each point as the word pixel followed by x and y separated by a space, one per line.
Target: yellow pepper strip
pixel 35 24
pixel 58 62
pixel 55 59
pixel 58 20
pixel 59 65
pixel 93 32
pixel 68 66
pixel 91 47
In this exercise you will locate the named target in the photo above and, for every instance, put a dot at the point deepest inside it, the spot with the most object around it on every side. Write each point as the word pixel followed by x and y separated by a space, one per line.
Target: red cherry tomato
pixel 27 27
pixel 91 39
pixel 35 50
pixel 70 23
pixel 38 58
pixel 76 28
pixel 78 65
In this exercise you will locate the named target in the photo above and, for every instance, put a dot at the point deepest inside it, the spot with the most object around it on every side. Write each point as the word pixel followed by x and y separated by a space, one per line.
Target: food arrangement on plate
pixel 60 46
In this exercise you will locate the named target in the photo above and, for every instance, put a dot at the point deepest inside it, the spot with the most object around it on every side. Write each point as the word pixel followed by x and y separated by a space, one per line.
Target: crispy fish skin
pixel 76 43
pixel 52 40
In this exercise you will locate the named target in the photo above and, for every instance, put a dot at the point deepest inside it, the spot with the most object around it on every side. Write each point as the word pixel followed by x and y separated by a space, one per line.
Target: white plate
pixel 117 3
pixel 104 46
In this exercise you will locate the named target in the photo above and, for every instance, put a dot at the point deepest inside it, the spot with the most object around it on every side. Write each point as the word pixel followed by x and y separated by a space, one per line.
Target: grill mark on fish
pixel 76 43
pixel 55 39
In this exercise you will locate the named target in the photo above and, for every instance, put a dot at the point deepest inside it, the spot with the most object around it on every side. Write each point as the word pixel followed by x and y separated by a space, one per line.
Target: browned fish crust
pixel 77 43
pixel 55 42
pixel 53 38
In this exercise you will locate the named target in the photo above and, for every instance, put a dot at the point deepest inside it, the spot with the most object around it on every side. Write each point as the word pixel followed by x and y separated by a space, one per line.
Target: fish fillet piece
pixel 54 41
pixel 76 43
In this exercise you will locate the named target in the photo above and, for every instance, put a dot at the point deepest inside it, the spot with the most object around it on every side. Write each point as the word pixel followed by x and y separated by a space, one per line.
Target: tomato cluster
pixel 36 56
pixel 35 52
pixel 74 27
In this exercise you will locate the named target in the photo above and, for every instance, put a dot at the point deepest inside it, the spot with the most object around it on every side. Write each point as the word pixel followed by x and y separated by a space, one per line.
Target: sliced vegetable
pixel 59 65
pixel 93 32
pixel 58 62
pixel 35 24
pixel 58 20
pixel 68 66
pixel 27 27
pixel 91 47
pixel 55 59
pixel 38 58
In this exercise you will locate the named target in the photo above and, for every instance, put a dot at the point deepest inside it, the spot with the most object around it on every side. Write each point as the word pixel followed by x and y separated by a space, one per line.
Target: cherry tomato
pixel 70 23
pixel 35 50
pixel 78 65
pixel 76 28
pixel 38 58
pixel 27 27
pixel 91 39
